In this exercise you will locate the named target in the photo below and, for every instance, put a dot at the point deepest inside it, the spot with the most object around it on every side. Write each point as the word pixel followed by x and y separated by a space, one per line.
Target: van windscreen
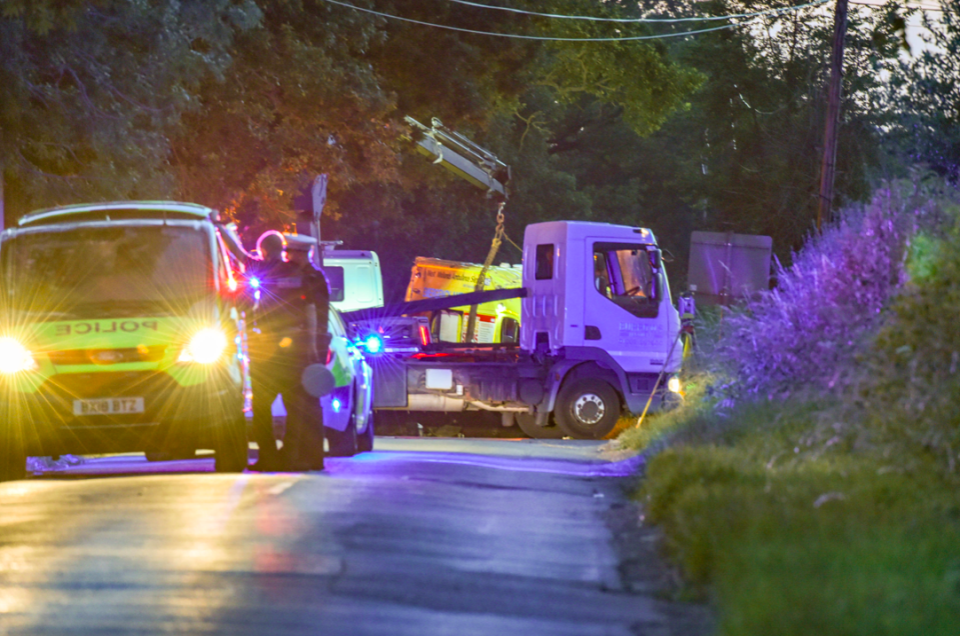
pixel 107 271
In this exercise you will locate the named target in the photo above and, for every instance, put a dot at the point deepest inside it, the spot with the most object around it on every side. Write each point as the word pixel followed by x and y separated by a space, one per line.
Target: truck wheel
pixel 231 454
pixel 13 459
pixel 587 409
pixel 528 424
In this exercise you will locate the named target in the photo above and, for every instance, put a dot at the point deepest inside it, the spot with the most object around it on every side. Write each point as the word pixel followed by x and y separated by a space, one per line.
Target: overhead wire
pixel 562 16
pixel 518 36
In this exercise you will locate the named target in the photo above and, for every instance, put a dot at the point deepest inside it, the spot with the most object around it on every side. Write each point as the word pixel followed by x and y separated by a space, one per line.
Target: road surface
pixel 422 536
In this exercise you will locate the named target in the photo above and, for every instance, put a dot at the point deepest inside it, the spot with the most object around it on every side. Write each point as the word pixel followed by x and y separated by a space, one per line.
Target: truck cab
pixel 598 303
pixel 600 287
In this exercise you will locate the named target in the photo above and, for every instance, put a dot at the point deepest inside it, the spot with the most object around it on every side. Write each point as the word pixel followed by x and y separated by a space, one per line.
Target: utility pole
pixel 829 167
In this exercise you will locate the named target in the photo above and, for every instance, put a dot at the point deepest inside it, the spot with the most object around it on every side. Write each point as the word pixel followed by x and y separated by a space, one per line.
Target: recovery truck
pixel 599 333
pixel 598 336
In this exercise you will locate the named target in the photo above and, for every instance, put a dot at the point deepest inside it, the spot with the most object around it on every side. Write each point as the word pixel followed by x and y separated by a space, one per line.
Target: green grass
pixel 791 535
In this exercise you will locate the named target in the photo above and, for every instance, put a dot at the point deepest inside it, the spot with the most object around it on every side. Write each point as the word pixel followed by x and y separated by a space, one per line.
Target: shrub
pixel 910 380
pixel 805 334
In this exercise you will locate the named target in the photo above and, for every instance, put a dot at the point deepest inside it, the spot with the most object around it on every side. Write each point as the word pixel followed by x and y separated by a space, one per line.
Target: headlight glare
pixel 673 385
pixel 205 347
pixel 14 357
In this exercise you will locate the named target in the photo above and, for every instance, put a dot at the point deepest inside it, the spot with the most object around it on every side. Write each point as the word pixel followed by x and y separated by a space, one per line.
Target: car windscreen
pixel 119 270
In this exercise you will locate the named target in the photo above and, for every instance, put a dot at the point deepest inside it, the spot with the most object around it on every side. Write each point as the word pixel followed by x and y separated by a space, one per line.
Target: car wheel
pixel 232 451
pixel 13 458
pixel 528 424
pixel 587 409
pixel 343 443
pixel 365 439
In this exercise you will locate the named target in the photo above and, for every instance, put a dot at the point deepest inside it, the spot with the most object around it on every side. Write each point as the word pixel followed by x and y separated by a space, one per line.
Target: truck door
pixel 622 303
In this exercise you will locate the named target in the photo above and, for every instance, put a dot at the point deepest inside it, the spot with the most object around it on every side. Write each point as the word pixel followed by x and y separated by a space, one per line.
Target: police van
pixel 121 330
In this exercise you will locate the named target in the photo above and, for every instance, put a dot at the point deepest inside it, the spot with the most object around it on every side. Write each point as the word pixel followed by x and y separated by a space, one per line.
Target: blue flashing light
pixel 336 405
pixel 373 343
pixel 254 282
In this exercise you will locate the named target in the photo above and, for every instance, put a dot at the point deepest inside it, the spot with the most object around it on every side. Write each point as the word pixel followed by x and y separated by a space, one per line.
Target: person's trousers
pixel 269 377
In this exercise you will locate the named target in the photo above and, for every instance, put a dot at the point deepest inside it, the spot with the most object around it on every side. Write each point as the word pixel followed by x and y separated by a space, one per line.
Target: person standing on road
pixel 283 343
pixel 305 441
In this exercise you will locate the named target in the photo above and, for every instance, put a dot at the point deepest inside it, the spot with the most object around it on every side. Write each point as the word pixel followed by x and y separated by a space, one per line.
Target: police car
pixel 348 409
pixel 120 330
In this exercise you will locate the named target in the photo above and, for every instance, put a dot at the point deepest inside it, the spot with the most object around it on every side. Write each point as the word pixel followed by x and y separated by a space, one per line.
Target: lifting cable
pixel 498 236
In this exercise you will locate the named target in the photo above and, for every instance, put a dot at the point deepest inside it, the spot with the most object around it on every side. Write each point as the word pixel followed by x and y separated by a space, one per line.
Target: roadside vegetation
pixel 809 483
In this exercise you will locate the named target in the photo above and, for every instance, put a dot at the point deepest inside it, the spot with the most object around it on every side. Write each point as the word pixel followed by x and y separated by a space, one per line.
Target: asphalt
pixel 421 536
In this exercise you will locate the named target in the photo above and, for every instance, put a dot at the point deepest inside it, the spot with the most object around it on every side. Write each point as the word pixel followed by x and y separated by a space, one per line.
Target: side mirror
pixel 656 257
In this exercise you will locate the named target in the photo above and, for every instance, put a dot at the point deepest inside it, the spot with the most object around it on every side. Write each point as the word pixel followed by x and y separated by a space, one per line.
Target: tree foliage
pixel 90 91
pixel 237 103
pixel 926 90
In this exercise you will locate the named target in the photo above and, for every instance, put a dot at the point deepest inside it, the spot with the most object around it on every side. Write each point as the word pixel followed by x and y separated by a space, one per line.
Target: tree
pixel 926 91
pixel 322 88
pixel 745 155
pixel 91 90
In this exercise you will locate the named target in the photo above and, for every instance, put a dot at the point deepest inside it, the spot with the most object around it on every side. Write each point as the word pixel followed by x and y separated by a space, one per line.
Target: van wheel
pixel 13 458
pixel 231 453
pixel 528 424
pixel 587 409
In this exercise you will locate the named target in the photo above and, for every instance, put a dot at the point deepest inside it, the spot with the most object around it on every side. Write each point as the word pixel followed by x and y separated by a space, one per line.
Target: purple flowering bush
pixel 807 334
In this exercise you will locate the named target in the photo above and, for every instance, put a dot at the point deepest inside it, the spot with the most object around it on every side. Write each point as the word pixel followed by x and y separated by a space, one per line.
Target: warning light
pixel 336 405
pixel 254 282
pixel 373 343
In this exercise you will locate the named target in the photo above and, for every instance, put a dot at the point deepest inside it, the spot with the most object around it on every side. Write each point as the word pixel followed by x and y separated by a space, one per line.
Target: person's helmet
pixel 270 245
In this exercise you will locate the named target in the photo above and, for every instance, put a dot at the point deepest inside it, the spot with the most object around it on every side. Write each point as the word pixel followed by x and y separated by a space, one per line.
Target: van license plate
pixel 108 406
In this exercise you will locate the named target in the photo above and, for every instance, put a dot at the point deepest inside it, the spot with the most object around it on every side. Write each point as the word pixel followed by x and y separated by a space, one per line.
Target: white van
pixel 362 282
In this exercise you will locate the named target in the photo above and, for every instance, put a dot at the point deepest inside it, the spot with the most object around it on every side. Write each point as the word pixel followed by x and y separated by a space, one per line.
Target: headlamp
pixel 205 347
pixel 14 357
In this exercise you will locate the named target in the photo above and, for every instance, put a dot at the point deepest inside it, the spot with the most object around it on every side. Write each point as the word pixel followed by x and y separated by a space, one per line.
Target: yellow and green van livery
pixel 496 321
pixel 121 329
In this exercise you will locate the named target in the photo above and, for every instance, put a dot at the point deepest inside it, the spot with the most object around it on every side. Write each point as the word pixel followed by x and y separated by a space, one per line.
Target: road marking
pixel 233 500
pixel 280 488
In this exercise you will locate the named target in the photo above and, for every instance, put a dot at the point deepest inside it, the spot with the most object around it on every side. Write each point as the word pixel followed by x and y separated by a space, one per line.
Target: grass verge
pixel 788 535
